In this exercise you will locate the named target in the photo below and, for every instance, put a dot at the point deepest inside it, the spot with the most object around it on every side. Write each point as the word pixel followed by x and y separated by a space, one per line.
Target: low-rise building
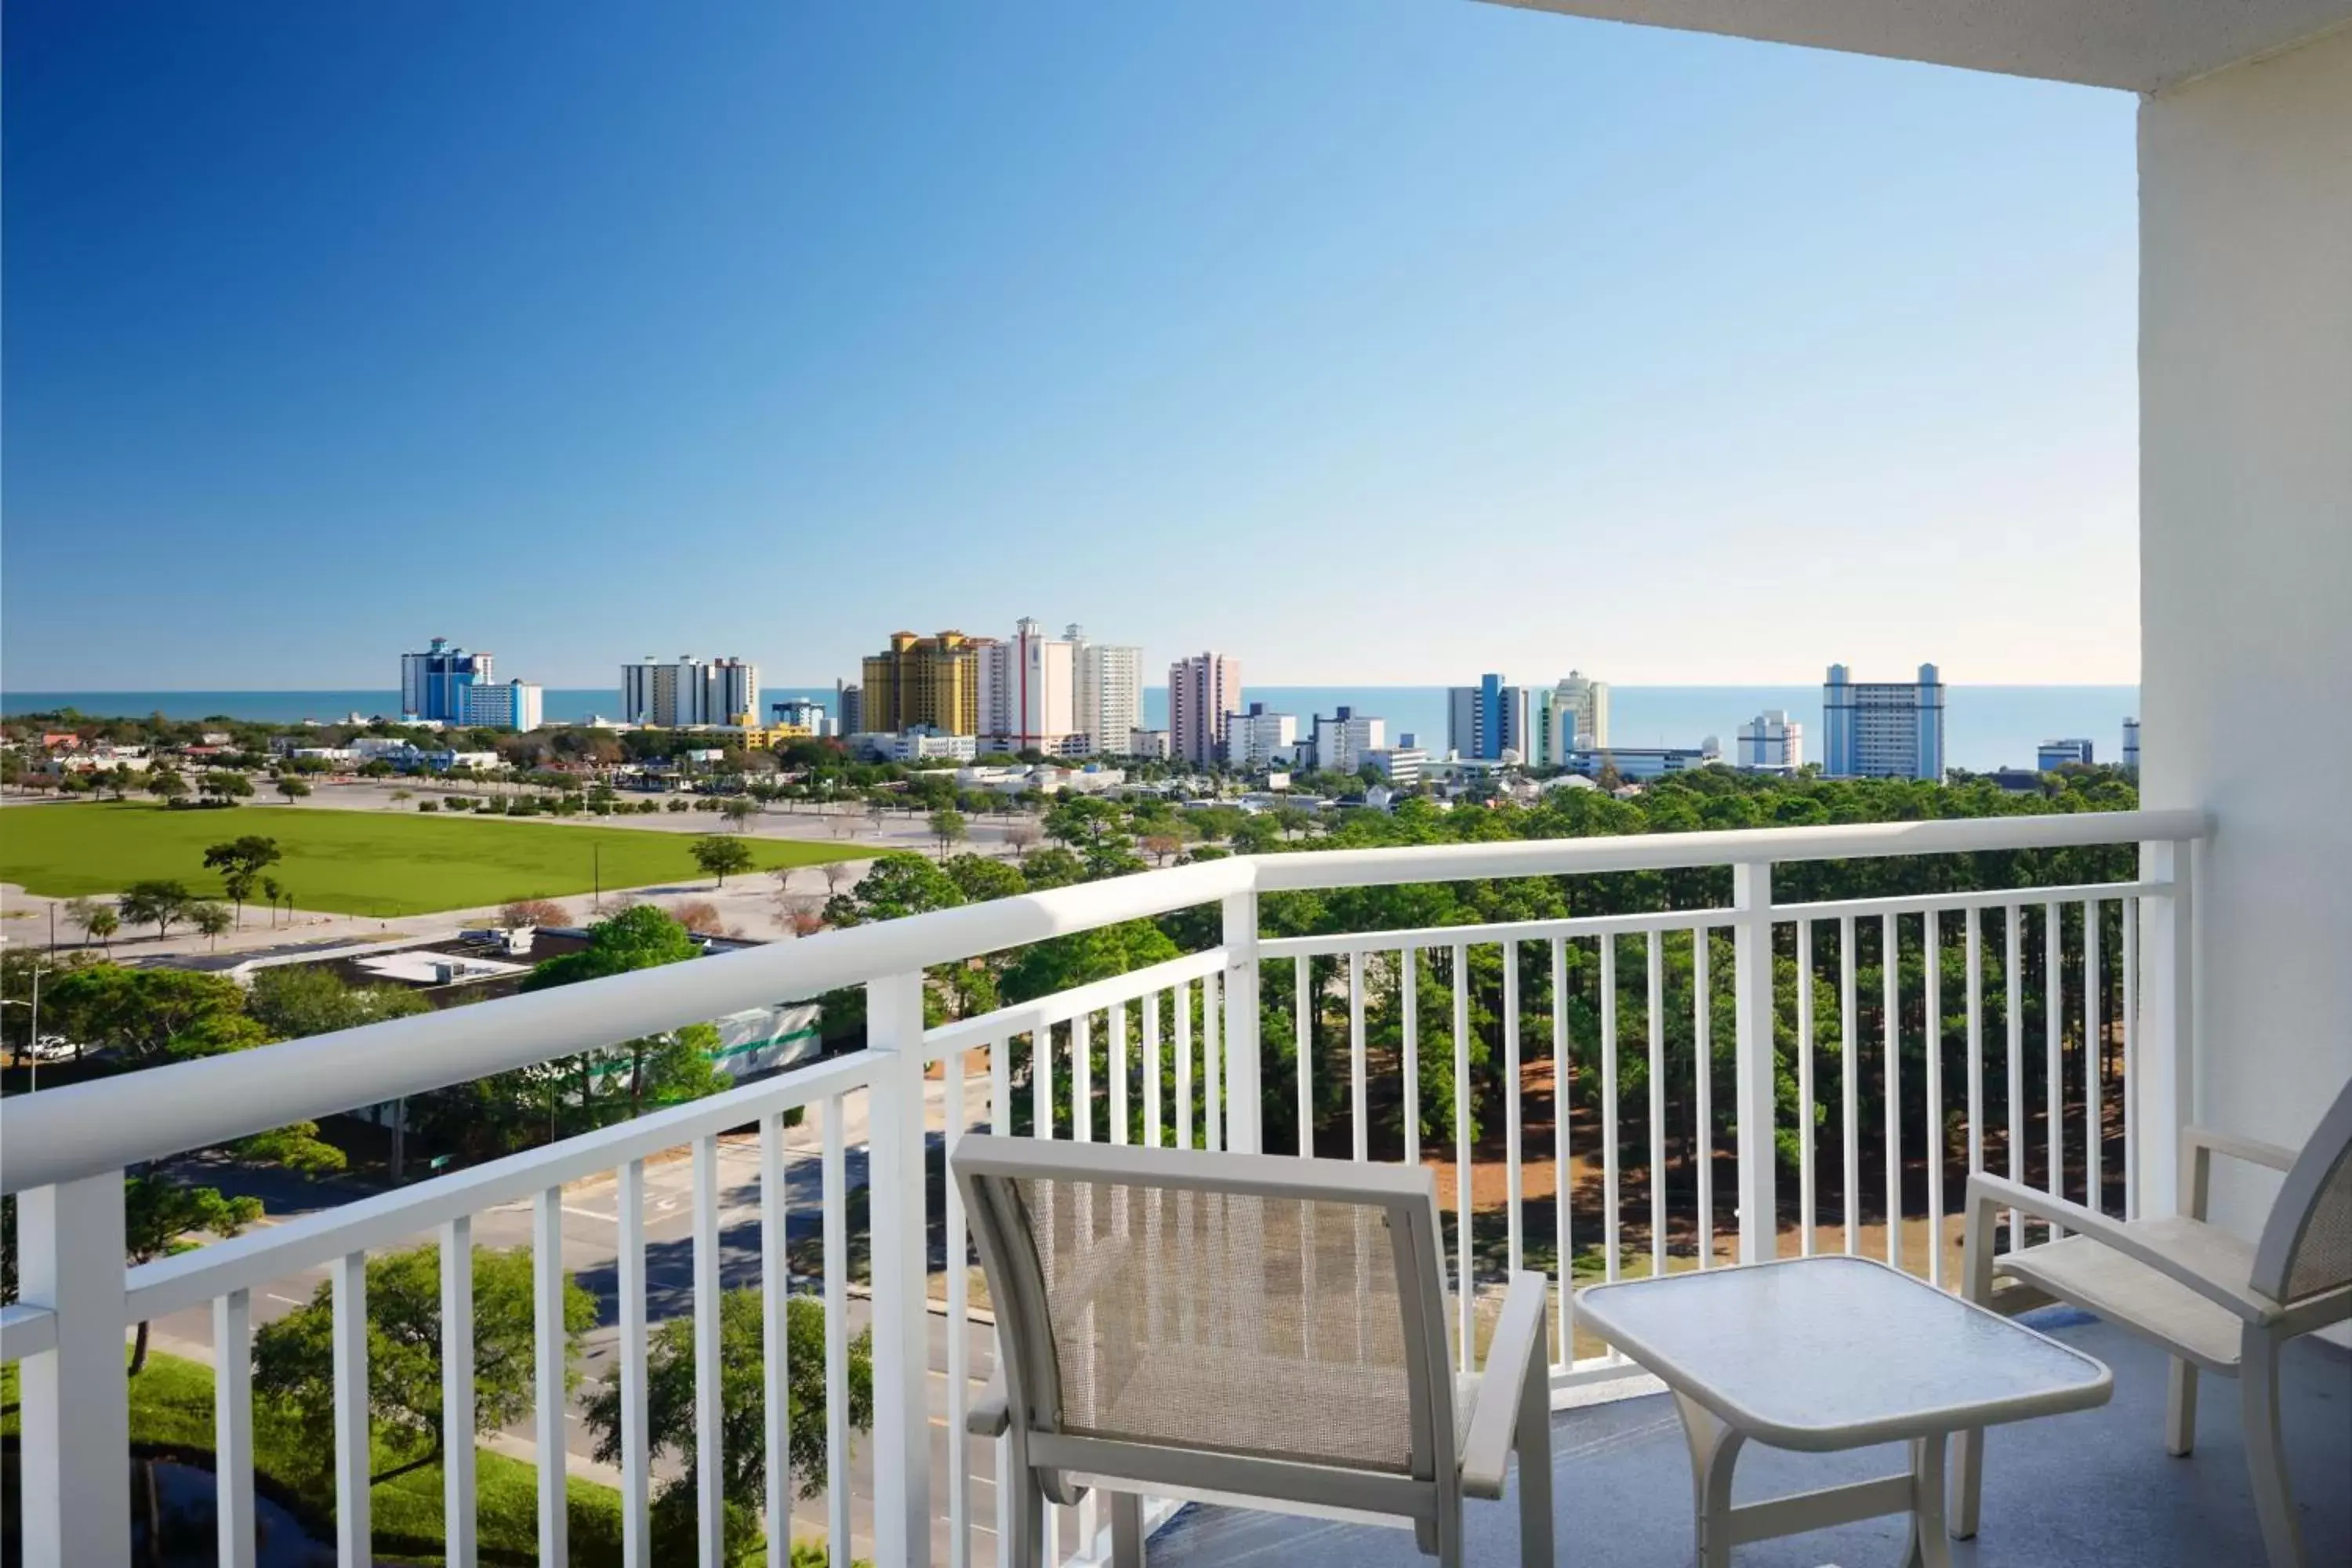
pixel 1401 766
pixel 1342 739
pixel 2052 755
pixel 920 745
pixel 1772 742
pixel 1148 745
pixel 1258 739
pixel 1639 764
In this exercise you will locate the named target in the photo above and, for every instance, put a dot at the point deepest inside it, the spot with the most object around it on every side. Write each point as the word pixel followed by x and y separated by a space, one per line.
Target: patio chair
pixel 2215 1302
pixel 1247 1329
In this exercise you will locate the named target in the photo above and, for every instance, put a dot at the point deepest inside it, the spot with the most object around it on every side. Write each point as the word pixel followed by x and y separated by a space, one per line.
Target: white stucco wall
pixel 2246 565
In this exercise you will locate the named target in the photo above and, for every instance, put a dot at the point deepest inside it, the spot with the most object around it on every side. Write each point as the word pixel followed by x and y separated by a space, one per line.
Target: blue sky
pixel 1377 341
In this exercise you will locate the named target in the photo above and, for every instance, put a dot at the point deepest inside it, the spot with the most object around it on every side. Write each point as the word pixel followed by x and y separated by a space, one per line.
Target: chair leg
pixel 1125 1530
pixel 2258 1376
pixel 1027 1547
pixel 2180 1409
pixel 1533 1441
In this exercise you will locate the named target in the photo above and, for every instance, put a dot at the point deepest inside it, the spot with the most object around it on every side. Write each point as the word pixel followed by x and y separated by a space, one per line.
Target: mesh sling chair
pixel 2215 1302
pixel 1261 1330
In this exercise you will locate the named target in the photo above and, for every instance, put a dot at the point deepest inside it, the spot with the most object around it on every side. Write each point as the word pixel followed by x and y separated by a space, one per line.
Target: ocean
pixel 1984 726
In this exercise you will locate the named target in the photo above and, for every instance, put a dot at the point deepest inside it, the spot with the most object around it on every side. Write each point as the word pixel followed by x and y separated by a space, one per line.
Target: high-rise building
pixel 1258 739
pixel 802 713
pixel 1343 739
pixel 2131 747
pixel 1485 720
pixel 922 682
pixel 1203 693
pixel 849 703
pixel 1772 742
pixel 689 690
pixel 432 684
pixel 1883 729
pixel 1028 699
pixel 509 705
pixel 1108 687
pixel 2052 755
pixel 1588 700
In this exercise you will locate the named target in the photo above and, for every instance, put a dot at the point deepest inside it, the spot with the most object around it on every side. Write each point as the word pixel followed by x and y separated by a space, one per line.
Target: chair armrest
pixel 1998 1192
pixel 1515 1350
pixel 2251 1150
pixel 989 1416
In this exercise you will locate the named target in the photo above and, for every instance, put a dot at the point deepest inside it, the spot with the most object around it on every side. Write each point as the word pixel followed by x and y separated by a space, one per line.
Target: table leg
pixel 1714 1448
pixel 1928 1548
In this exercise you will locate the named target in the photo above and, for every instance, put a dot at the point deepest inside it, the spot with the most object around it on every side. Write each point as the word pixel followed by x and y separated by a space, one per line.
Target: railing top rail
pixel 1021 1017
pixel 88 1128
pixel 84 1129
pixel 1755 846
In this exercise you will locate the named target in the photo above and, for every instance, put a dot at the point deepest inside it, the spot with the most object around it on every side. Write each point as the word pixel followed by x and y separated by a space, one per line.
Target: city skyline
pixel 1862 387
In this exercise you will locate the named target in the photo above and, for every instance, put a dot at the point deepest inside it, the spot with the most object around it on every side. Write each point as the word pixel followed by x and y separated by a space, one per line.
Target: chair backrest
pixel 2306 1244
pixel 1253 1306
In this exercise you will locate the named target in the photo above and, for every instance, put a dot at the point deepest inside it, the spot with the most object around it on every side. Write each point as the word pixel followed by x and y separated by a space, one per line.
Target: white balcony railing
pixel 66 1151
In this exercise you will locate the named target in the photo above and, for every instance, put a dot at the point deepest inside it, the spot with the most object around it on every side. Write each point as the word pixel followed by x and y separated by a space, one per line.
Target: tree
pixel 699 916
pixel 156 903
pixel 240 862
pixel 167 786
pixel 1159 846
pixel 96 920
pixel 534 912
pixel 738 810
pixel 292 788
pixel 894 885
pixel 293 1358
pixel 721 857
pixel 742 1423
pixel 948 827
pixel 274 891
pixel 292 1000
pixel 137 1012
pixel 158 1211
pixel 225 785
pixel 979 877
pixel 666 1068
pixel 211 920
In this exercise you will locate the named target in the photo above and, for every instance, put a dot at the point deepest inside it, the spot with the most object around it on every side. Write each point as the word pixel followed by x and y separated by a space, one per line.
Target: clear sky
pixel 1369 341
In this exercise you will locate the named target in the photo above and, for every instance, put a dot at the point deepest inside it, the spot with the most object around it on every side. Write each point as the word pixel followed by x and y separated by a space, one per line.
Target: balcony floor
pixel 2092 1488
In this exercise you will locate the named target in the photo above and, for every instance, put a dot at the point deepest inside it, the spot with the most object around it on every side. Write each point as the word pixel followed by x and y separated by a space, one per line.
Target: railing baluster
pixel 1932 1042
pixel 709 1455
pixel 355 1537
pixel 1612 1221
pixel 552 1361
pixel 1184 1065
pixel 2013 919
pixel 233 1427
pixel 1514 1179
pixel 776 1312
pixel 2129 936
pixel 959 1283
pixel 1082 1079
pixel 1563 1191
pixel 1409 1003
pixel 1212 1065
pixel 1702 1111
pixel 1000 1100
pixel 629 1355
pixel 1657 1011
pixel 1850 1084
pixel 1299 969
pixel 1041 1081
pixel 836 1333
pixel 1154 1122
pixel 2054 1018
pixel 1465 1286
pixel 1890 969
pixel 1805 1212
pixel 2095 1186
pixel 1359 1134
pixel 1118 1056
pixel 457 1510
pixel 1975 938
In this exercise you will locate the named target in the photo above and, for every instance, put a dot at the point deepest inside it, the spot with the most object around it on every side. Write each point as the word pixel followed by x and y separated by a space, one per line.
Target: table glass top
pixel 1830 1344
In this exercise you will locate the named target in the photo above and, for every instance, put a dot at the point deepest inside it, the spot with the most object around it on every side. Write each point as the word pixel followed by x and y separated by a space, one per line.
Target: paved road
pixel 591 1241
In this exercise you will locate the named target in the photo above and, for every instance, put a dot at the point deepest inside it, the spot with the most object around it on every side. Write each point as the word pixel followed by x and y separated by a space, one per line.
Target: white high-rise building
pixel 1772 742
pixel 1204 692
pixel 1108 685
pixel 1028 696
pixel 1343 740
pixel 1588 700
pixel 689 690
pixel 1889 729
pixel 1258 739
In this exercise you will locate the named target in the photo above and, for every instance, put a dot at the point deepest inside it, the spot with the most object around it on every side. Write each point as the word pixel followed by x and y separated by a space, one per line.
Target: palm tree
pixel 273 890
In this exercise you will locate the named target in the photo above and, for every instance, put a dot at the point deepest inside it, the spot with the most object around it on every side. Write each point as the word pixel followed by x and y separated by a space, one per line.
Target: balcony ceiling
pixel 2141 45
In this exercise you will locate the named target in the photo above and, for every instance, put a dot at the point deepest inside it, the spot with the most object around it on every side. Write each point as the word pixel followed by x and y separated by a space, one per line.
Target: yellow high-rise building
pixel 932 681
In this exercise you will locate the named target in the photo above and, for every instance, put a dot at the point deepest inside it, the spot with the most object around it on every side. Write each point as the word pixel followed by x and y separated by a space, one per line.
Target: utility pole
pixel 596 873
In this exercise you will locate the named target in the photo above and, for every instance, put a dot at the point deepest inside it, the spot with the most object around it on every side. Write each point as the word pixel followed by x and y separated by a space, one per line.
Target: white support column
pixel 1751 896
pixel 458 1496
pixel 2164 1087
pixel 355 1457
pixel 1244 1134
pixel 898 1249
pixel 75 1506
pixel 550 1359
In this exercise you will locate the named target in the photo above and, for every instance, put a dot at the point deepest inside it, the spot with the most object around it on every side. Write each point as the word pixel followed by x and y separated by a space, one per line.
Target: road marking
pixel 590 1214
pixel 289 1300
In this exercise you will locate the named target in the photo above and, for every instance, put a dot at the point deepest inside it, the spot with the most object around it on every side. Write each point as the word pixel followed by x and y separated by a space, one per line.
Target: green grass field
pixel 359 862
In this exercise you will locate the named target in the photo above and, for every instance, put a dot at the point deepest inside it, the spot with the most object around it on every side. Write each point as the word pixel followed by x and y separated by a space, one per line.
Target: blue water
pixel 1984 726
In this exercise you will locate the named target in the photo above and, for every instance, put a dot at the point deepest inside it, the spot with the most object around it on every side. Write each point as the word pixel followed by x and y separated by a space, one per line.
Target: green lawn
pixel 359 862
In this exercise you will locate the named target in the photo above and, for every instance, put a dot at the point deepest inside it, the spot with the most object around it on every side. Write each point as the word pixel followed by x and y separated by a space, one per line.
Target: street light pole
pixel 33 1036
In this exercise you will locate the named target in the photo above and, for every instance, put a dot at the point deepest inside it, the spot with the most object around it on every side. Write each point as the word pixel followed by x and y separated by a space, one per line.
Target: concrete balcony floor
pixel 2065 1493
